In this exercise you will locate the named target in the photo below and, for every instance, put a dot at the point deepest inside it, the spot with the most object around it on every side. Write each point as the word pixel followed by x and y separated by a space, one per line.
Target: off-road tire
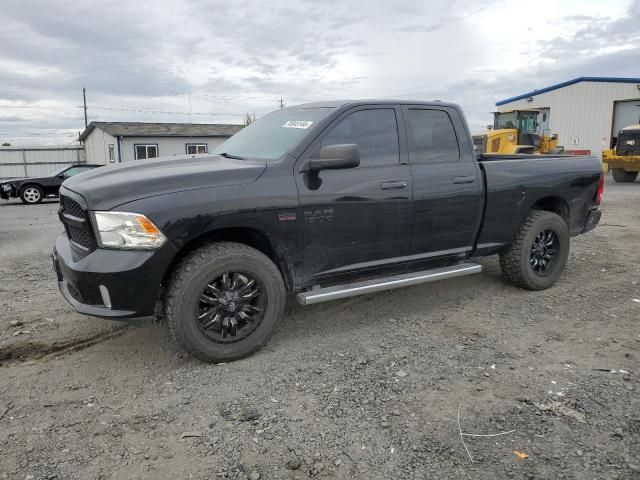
pixel 27 197
pixel 622 176
pixel 515 260
pixel 189 278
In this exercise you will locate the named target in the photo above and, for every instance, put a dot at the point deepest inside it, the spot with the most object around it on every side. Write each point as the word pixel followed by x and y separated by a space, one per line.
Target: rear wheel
pixel 31 194
pixel 538 253
pixel 224 301
pixel 622 176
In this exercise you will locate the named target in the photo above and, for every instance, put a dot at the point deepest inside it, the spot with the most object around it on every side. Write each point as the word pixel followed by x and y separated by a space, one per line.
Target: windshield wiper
pixel 228 155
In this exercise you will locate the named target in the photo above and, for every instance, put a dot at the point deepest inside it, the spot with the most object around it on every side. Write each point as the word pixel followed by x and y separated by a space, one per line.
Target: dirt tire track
pixel 36 350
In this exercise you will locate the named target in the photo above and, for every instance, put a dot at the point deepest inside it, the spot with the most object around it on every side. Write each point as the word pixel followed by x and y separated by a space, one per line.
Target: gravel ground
pixel 380 386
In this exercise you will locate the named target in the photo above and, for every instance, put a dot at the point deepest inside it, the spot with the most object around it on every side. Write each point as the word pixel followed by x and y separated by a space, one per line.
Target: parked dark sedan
pixel 33 189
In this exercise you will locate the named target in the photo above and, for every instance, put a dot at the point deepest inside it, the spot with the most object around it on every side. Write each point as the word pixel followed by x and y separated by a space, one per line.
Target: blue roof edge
pixel 569 82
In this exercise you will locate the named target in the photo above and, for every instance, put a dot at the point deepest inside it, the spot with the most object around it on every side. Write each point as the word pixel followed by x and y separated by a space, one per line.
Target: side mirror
pixel 335 157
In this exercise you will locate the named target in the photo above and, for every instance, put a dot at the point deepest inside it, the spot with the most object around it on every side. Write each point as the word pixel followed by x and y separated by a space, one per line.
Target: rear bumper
pixel 114 284
pixel 593 218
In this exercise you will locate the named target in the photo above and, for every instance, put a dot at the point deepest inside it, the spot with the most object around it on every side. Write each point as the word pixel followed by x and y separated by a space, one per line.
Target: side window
pixel 374 131
pixel 431 136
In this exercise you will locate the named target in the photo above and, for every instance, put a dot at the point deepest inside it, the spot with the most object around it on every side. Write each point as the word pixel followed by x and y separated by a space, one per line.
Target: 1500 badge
pixel 319 216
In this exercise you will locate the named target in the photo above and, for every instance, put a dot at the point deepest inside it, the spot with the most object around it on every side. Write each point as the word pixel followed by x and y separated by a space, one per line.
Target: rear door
pixel 447 183
pixel 359 218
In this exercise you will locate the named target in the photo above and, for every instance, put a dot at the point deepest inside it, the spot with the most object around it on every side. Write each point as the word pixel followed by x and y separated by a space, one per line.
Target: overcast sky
pixel 157 60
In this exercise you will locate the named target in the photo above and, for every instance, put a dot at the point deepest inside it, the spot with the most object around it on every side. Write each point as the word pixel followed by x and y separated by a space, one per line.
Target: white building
pixel 115 142
pixel 587 112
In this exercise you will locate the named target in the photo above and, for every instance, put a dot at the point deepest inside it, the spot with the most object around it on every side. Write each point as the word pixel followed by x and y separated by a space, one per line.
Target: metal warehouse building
pixel 587 112
pixel 37 161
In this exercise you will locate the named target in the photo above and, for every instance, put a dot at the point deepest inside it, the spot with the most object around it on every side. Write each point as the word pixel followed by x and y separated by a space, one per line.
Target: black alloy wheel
pixel 544 251
pixel 538 252
pixel 231 307
pixel 223 301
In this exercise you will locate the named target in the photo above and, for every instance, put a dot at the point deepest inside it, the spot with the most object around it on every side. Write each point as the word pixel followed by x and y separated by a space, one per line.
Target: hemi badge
pixel 287 217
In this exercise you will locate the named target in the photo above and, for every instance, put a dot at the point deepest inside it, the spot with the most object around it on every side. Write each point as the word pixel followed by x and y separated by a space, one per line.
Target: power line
pixel 45 135
pixel 138 110
pixel 118 109
pixel 34 106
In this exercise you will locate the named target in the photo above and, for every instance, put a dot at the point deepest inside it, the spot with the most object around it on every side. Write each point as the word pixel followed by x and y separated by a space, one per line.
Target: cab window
pixel 375 131
pixel 431 136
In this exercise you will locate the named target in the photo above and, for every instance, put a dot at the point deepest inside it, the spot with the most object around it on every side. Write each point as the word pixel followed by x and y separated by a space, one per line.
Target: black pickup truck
pixel 324 201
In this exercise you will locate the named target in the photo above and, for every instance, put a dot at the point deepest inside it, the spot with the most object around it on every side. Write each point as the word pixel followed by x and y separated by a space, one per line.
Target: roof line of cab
pixel 350 103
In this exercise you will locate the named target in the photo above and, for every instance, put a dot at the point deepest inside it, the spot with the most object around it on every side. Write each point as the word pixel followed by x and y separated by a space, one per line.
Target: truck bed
pixel 514 184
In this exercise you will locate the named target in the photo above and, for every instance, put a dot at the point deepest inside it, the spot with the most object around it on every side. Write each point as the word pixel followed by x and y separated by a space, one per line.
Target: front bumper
pixel 592 219
pixel 7 194
pixel 130 278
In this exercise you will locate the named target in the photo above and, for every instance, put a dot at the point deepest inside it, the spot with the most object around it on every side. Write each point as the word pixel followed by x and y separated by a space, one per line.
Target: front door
pixel 447 185
pixel 357 218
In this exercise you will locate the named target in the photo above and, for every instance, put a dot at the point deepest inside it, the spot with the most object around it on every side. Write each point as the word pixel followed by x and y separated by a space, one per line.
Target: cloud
pixel 228 58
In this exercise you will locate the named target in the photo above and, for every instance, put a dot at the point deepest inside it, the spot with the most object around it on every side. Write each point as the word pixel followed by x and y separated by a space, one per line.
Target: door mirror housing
pixel 335 157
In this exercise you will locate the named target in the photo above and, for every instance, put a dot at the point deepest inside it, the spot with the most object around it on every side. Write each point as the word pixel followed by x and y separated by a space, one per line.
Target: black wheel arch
pixel 249 236
pixel 557 205
pixel 29 184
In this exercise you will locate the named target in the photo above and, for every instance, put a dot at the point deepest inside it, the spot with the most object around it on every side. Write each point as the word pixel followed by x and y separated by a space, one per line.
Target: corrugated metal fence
pixel 37 161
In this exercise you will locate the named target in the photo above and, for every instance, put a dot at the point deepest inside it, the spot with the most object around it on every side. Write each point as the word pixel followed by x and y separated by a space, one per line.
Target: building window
pixel 145 151
pixel 112 153
pixel 195 148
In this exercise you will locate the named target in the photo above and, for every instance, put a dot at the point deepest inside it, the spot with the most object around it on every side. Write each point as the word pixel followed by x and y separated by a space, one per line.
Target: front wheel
pixel 622 176
pixel 224 301
pixel 31 194
pixel 538 253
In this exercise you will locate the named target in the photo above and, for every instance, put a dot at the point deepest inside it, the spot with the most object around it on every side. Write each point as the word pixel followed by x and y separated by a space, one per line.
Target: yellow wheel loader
pixel 624 159
pixel 516 131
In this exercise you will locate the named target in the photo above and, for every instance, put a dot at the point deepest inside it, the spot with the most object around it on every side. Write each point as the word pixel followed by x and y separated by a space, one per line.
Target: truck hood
pixel 106 188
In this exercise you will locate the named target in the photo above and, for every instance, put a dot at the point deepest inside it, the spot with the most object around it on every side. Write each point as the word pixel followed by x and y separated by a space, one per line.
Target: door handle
pixel 394 185
pixel 463 179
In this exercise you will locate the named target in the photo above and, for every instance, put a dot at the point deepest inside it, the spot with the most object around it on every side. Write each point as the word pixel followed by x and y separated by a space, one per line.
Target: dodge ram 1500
pixel 323 201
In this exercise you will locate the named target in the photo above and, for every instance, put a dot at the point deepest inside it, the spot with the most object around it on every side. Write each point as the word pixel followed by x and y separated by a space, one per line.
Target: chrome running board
pixel 386 283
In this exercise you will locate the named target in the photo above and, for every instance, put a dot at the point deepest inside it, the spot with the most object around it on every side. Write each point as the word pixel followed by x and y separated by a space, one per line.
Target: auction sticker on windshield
pixel 297 124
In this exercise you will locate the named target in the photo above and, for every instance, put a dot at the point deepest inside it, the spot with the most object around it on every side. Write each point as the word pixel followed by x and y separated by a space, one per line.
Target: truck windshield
pixel 272 135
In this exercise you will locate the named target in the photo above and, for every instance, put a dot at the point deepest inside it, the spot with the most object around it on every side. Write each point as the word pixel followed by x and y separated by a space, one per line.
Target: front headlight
pixel 6 187
pixel 127 230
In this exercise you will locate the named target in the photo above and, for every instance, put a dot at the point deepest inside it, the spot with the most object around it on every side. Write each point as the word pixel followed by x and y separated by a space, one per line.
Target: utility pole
pixel 84 98
pixel 281 103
